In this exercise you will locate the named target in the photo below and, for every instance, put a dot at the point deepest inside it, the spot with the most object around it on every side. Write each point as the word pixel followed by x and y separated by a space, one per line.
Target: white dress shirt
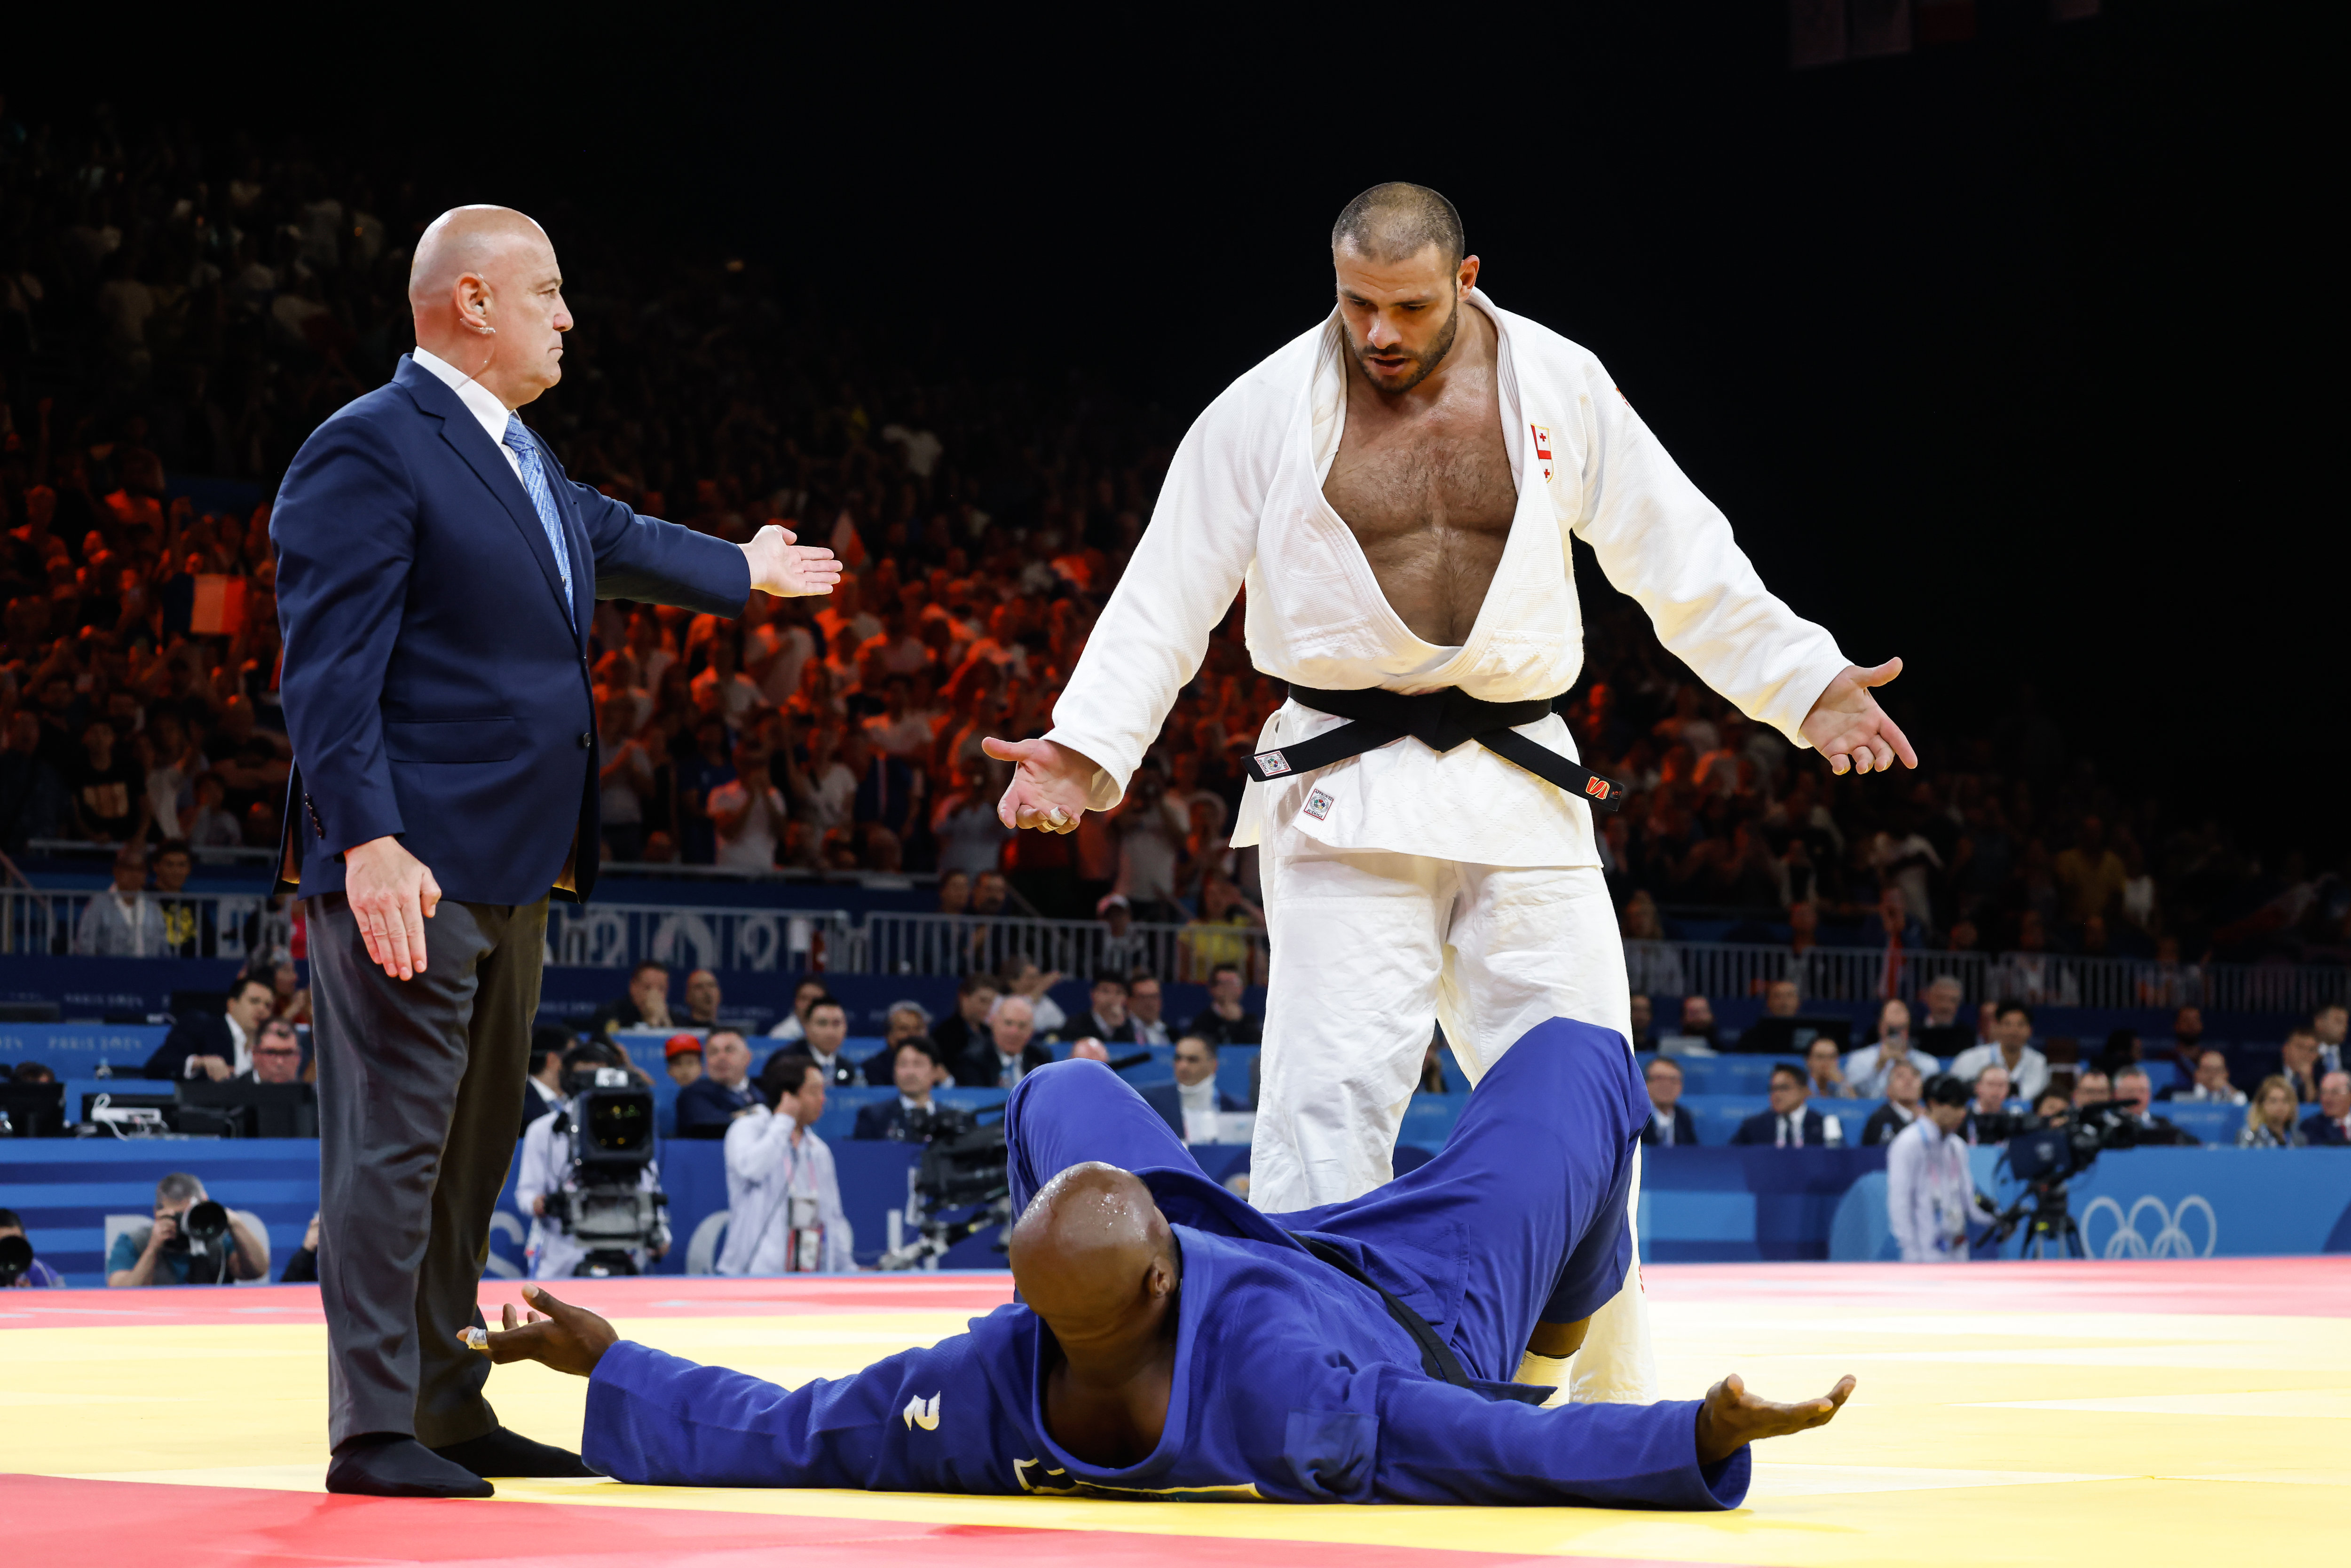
pixel 242 1053
pixel 1199 1102
pixel 1929 1191
pixel 479 401
pixel 770 1160
pixel 2026 1080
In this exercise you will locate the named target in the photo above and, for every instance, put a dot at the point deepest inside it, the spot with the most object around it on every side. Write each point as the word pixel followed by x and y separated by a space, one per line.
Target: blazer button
pixel 586 740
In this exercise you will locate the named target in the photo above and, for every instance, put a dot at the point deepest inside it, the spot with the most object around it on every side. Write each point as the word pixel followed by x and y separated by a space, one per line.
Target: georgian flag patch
pixel 1542 448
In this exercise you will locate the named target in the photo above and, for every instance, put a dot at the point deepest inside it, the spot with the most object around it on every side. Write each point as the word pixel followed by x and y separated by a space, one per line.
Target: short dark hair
pixel 718 1029
pixel 979 980
pixel 1138 976
pixel 1945 1089
pixel 641 966
pixel 2011 1006
pixel 1789 1070
pixel 1657 1061
pixel 588 1053
pixel 1206 1043
pixel 1224 969
pixel 1396 220
pixel 1109 980
pixel 921 1042
pixel 236 988
pixel 171 847
pixel 786 1073
pixel 10 1220
pixel 829 1001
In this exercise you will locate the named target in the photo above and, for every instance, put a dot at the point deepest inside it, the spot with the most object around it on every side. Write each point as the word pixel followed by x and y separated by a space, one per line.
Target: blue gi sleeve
pixel 925 1420
pixel 644 557
pixel 1439 1443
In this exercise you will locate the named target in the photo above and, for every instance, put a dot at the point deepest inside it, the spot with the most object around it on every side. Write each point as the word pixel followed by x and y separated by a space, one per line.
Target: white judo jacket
pixel 1243 503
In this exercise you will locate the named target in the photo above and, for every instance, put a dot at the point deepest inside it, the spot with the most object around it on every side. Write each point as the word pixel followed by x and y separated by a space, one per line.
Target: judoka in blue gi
pixel 1169 1340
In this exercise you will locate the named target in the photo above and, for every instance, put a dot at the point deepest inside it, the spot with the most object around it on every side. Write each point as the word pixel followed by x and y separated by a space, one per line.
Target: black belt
pixel 1436 1358
pixel 1443 719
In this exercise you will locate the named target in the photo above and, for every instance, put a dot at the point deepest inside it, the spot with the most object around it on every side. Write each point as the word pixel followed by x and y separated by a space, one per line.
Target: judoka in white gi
pixel 1396 489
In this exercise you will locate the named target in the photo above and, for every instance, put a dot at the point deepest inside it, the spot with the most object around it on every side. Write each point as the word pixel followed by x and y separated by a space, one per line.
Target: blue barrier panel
pixel 2207 1203
pixel 76 1050
pixel 1744 1204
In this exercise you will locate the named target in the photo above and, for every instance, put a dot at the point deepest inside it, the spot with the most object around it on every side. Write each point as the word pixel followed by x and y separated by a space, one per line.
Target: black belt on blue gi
pixel 1443 719
pixel 1436 1358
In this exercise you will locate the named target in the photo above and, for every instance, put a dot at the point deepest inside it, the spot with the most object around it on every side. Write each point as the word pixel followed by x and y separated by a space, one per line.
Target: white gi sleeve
pixel 1154 632
pixel 1664 543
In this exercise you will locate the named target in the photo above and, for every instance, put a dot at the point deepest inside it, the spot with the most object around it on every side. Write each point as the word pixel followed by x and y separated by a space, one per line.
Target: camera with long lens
pixel 962 1185
pixel 205 1240
pixel 2047 1156
pixel 604 1207
pixel 16 1259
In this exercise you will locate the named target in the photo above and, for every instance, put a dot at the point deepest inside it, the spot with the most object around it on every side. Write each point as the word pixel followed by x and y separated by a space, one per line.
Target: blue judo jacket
pixel 1293 1383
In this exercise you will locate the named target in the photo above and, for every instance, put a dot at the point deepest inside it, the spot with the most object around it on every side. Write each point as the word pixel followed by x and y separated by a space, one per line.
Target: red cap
pixel 679 1044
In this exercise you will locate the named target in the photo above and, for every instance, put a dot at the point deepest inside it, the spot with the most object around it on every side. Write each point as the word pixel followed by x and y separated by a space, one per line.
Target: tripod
pixel 2049 1222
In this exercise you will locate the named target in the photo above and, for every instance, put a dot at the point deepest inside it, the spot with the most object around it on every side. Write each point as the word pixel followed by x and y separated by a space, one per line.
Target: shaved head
pixel 1397 221
pixel 464 240
pixel 1092 1253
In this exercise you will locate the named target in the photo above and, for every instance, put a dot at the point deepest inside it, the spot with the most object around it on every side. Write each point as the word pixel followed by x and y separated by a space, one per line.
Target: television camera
pixel 604 1207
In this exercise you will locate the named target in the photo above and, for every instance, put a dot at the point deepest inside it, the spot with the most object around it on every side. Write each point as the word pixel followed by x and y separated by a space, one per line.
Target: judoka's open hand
pixel 1848 728
pixel 787 568
pixel 1730 1417
pixel 565 1337
pixel 1048 791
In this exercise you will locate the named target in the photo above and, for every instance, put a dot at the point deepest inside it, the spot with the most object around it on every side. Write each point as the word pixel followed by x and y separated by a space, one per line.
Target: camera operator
pixel 19 1267
pixel 546 1171
pixel 1929 1189
pixel 176 1249
pixel 782 1196
pixel 914 1068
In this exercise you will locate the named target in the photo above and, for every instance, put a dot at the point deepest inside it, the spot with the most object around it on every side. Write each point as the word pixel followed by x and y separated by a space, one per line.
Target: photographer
pixel 1928 1190
pixel 19 1267
pixel 914 1068
pixel 782 1194
pixel 183 1243
pixel 546 1171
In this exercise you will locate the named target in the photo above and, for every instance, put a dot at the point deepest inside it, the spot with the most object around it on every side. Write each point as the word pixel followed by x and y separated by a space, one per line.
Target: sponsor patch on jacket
pixel 1318 804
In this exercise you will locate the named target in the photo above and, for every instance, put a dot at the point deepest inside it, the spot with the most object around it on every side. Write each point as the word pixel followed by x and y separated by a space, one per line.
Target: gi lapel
pixel 466 438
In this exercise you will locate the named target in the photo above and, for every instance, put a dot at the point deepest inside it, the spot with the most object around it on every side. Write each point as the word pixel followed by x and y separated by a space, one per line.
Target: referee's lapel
pixel 469 440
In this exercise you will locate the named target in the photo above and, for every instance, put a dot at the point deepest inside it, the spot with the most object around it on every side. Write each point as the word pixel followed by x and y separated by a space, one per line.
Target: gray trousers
pixel 420 1090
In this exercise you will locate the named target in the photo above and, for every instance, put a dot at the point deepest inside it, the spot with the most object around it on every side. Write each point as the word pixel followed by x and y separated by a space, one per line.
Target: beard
pixel 1423 364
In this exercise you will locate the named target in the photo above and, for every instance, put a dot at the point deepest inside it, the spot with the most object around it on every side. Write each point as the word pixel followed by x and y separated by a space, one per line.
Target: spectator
pixel 29 1072
pixel 2327 1026
pixel 914 1070
pixel 1224 1022
pixel 123 922
pixel 716 1101
pixel 963 824
pixel 2132 1092
pixel 1697 1022
pixel 1106 1018
pixel 2028 1070
pixel 1652 965
pixel 646 1006
pixel 1905 1087
pixel 2092 1087
pixel 215 1045
pixel 544 1176
pixel 2210 1085
pixel 1144 999
pixel 1010 1052
pixel 37 1273
pixel 827 1028
pixel 794 1025
pixel 1120 949
pixel 1780 1001
pixel 959 1036
pixel 1988 1115
pixel 1867 1068
pixel 783 1195
pixel 1645 1026
pixel 1940 1032
pixel 2187 1040
pixel 1824 1072
pixel 682 1057
pixel 2298 1063
pixel 1790 1123
pixel 1670 1124
pixel 2329 1127
pixel 1198 1100
pixel 1023 979
pixel 1929 1194
pixel 161 1254
pixel 109 788
pixel 703 999
pixel 277 1056
pixel 188 929
pixel 747 814
pixel 2269 1120
pixel 1229 931
pixel 906 1020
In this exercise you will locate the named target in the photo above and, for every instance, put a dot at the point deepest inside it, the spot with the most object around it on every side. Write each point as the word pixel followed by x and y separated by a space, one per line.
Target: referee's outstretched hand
pixel 561 1335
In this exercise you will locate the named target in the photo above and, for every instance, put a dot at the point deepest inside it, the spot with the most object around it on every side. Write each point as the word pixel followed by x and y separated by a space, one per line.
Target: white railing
pixel 898 944
pixel 614 936
pixel 197 926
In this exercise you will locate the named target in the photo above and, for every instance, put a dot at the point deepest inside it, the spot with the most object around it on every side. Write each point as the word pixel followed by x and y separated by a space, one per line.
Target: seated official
pixel 1224 1021
pixel 1190 1104
pixel 827 1028
pixel 793 1027
pixel 543 1173
pixel 1170 1342
pixel 2210 1086
pixel 161 1255
pixel 1988 1112
pixel 1106 1018
pixel 2330 1126
pixel 1782 999
pixel 1790 1123
pixel 218 1046
pixel 1825 1071
pixel 1670 1124
pixel 783 1196
pixel 902 1022
pixel 646 1006
pixel 1929 1193
pixel 2133 1093
pixel 918 1071
pixel 1008 1050
pixel 1904 1088
pixel 277 1056
pixel 723 1094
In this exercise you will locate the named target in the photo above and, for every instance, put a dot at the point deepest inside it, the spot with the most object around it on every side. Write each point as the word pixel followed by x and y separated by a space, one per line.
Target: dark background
pixel 2006 354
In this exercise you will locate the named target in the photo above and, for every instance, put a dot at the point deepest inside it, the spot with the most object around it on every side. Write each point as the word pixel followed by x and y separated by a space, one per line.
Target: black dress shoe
pixel 388 1465
pixel 499 1452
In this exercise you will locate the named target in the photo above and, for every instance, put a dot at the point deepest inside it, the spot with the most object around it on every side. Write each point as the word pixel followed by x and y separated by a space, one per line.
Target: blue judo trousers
pixel 1294 1382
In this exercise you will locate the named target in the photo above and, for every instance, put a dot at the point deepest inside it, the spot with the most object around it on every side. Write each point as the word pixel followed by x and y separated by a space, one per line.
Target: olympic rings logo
pixel 2170 1240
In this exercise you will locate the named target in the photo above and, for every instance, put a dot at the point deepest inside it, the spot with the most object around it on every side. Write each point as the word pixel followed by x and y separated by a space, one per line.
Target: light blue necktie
pixel 534 479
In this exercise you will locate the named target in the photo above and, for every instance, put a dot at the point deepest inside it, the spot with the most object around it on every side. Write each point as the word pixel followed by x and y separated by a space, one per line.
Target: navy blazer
pixel 434 687
pixel 1167 1099
pixel 196 1034
pixel 885 1119
pixel 1763 1127
pixel 1684 1127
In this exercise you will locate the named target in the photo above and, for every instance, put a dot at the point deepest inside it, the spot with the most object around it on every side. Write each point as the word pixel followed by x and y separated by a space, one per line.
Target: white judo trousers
pixel 1368 946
